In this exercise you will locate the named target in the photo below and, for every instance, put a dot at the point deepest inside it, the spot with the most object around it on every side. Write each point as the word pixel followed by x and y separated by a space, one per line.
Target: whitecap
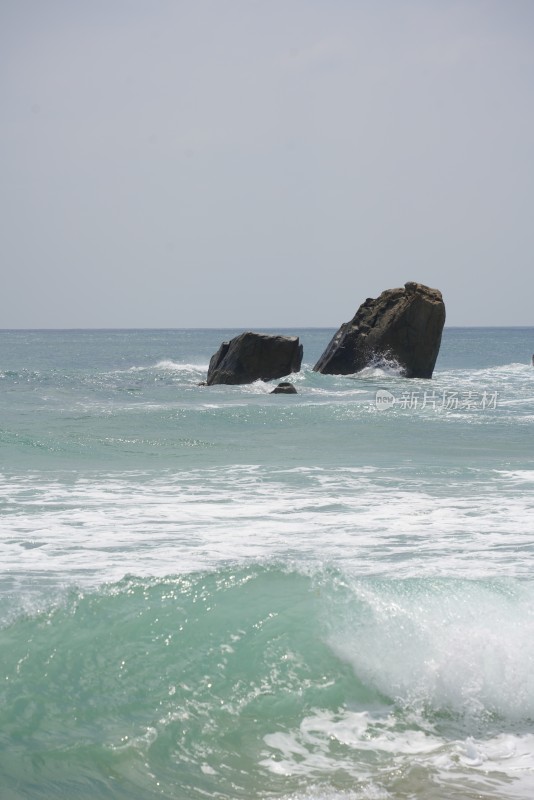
pixel 167 365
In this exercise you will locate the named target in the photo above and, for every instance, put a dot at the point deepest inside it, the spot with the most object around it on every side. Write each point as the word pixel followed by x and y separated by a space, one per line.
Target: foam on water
pixel 519 477
pixel 167 365
pixel 381 368
pixel 306 684
pixel 466 647
pixel 331 601
pixel 89 529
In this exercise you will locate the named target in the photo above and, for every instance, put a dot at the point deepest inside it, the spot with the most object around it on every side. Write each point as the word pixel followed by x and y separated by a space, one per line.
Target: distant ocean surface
pixel 214 592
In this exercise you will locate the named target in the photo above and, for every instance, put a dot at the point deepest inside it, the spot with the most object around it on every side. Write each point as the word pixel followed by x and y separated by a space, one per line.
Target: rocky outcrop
pixel 284 388
pixel 252 356
pixel 403 325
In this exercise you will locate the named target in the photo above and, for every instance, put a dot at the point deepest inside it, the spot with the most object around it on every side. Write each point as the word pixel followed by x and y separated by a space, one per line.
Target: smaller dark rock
pixel 284 388
pixel 252 356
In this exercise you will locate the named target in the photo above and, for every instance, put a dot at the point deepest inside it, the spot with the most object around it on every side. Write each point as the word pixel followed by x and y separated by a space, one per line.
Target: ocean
pixel 215 592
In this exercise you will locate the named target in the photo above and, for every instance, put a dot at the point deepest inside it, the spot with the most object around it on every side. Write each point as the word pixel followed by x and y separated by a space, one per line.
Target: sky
pixel 263 163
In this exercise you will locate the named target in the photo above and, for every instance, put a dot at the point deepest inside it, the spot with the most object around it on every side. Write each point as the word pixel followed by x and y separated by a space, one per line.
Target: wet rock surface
pixel 402 325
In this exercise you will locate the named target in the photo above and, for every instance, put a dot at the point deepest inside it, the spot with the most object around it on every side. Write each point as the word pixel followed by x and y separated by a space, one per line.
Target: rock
pixel 404 325
pixel 252 356
pixel 284 388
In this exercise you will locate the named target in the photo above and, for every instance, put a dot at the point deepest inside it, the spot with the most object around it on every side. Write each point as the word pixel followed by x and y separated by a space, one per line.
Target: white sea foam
pixel 339 394
pixel 523 476
pixel 364 792
pixel 92 528
pixel 380 370
pixel 167 365
pixel 465 647
pixel 513 369
pixel 365 747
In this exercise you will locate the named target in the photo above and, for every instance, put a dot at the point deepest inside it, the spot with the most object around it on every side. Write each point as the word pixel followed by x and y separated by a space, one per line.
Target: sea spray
pixel 443 646
pixel 262 676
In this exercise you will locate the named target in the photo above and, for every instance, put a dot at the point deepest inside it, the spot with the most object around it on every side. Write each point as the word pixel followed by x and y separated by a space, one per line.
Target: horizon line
pixel 231 328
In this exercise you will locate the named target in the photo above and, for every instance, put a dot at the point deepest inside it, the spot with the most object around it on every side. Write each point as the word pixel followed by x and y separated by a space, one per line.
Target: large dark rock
pixel 252 356
pixel 404 325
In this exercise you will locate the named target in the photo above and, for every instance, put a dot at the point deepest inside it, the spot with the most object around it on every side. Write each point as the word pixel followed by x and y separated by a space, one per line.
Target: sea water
pixel 215 592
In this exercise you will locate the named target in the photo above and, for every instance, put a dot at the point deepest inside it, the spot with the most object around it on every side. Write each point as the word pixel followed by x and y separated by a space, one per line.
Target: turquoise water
pixel 218 592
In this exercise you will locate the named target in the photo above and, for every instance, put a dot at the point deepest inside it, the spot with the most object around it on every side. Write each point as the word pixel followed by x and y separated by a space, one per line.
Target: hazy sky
pixel 263 163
